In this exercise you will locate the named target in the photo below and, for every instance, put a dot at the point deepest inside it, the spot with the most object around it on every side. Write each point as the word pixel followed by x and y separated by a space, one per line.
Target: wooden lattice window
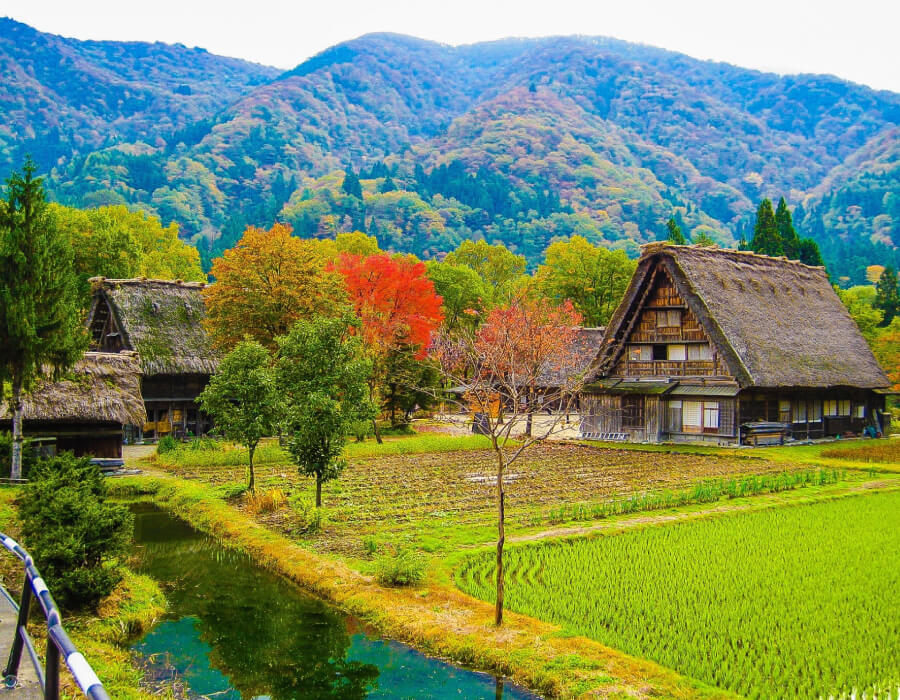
pixel 633 412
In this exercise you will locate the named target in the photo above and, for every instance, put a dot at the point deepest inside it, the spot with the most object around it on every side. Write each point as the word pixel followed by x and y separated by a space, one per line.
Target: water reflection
pixel 236 631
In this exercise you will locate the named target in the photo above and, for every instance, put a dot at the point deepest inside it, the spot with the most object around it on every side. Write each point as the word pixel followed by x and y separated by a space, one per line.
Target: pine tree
pixel 790 241
pixel 887 295
pixel 808 253
pixel 40 315
pixel 766 239
pixel 674 232
pixel 387 185
pixel 351 184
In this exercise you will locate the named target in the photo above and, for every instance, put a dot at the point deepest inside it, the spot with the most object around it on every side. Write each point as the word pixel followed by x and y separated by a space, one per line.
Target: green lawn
pixel 797 601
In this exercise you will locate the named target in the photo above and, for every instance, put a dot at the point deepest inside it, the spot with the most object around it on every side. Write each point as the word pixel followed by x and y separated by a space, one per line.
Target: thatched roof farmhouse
pixel 87 408
pixel 706 340
pixel 162 321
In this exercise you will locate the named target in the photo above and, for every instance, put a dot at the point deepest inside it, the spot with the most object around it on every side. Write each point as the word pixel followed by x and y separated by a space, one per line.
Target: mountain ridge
pixel 626 134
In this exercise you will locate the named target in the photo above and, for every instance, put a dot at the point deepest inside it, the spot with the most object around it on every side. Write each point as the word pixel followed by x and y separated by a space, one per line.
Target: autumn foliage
pixel 265 284
pixel 394 300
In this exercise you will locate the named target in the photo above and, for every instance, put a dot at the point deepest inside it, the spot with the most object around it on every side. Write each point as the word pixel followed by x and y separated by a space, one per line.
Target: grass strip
pixel 440 620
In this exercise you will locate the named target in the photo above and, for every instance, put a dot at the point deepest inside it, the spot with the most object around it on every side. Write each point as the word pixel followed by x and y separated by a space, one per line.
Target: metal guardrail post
pixel 51 665
pixel 59 646
pixel 15 654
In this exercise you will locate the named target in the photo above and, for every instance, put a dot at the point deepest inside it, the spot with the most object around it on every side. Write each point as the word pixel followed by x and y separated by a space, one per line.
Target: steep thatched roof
pixel 100 388
pixel 777 322
pixel 587 343
pixel 163 321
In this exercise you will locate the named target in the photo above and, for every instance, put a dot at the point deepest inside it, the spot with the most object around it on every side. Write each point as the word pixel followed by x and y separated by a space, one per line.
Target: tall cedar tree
pixel 766 238
pixel 322 374
pixel 242 399
pixel 266 283
pixel 398 308
pixel 592 278
pixel 673 233
pixel 41 328
pixel 887 295
pixel 790 241
pixel 517 347
pixel 351 184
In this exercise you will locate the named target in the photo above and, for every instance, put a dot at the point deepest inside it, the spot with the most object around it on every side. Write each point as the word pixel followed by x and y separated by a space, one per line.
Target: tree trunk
pixel 377 431
pixel 15 471
pixel 528 408
pixel 318 490
pixel 501 538
pixel 252 484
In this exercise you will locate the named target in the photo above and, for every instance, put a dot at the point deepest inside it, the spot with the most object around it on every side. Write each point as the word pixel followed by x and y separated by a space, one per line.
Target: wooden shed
pixel 707 340
pixel 161 320
pixel 88 408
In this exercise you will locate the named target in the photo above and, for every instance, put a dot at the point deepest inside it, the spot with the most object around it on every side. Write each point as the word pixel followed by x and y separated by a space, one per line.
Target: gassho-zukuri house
pixel 85 410
pixel 710 344
pixel 162 321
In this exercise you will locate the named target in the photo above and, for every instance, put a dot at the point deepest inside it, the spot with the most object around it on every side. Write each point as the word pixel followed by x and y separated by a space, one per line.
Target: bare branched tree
pixel 521 362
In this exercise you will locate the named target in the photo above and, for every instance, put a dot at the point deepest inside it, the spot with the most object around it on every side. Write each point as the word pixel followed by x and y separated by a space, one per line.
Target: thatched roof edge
pixel 100 388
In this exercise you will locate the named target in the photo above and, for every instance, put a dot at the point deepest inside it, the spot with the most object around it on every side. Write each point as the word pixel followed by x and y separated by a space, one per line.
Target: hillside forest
pixel 520 143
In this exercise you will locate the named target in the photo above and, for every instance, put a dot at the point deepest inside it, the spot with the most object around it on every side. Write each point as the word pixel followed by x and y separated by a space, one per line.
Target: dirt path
pixel 771 500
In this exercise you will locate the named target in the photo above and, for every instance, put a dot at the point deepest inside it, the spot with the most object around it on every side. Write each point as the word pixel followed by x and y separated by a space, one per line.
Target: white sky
pixel 853 39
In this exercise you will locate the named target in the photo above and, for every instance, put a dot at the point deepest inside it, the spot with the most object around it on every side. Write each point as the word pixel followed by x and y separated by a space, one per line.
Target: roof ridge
pixel 97 281
pixel 655 247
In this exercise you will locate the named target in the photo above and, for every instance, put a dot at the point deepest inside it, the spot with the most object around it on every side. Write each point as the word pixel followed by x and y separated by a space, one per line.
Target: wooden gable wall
pixel 106 336
pixel 663 319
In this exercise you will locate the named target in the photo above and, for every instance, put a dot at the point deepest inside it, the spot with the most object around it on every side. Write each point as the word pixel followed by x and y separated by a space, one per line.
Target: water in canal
pixel 235 631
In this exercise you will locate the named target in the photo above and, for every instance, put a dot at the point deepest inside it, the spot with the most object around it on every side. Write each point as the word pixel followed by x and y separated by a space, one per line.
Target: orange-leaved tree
pixel 265 284
pixel 522 359
pixel 397 305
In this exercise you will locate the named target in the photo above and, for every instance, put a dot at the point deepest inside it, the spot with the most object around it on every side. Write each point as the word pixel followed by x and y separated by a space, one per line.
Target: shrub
pixel 265 501
pixel 405 568
pixel 166 444
pixel 72 532
pixel 309 518
pixel 370 544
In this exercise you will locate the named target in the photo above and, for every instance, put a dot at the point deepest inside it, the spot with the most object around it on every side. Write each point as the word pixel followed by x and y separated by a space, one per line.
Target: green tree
pixel 410 383
pixel 592 278
pixel 674 234
pixel 766 239
pixel 323 375
pixel 790 242
pixel 41 328
pixel 860 301
pixel 887 295
pixel 387 185
pixel 242 398
pixel 808 252
pixel 462 293
pixel 499 268
pixel 74 534
pixel 351 184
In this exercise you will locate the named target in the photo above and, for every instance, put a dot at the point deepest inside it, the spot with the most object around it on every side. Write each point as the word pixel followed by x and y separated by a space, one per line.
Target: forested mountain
pixel 518 141
pixel 61 96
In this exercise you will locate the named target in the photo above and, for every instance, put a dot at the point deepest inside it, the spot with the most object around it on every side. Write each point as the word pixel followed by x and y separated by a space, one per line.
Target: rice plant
pixel 797 601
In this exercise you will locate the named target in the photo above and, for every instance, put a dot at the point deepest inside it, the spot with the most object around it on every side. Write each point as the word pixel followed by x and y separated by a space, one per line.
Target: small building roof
pixel 778 322
pixel 586 344
pixel 100 388
pixel 162 320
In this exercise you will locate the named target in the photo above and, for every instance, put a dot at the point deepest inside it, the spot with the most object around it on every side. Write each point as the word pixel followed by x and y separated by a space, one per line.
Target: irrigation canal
pixel 236 631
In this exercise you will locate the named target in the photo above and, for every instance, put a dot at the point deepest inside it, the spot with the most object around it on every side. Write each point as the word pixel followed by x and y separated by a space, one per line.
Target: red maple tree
pixel 397 305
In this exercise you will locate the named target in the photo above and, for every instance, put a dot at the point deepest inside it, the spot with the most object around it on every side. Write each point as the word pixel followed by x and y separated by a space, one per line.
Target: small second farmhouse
pixel 162 321
pixel 712 345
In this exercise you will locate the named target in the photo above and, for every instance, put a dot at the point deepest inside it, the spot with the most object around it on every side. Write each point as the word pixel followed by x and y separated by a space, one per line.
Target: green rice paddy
pixel 800 601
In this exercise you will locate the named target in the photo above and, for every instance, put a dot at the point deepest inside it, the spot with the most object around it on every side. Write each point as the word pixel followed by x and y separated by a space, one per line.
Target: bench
pixel 606 437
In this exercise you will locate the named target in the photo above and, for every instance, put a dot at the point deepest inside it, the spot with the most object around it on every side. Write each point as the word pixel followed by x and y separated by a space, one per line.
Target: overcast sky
pixel 853 39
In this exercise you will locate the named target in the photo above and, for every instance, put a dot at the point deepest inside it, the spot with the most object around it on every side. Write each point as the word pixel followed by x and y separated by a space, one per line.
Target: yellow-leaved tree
pixel 265 284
